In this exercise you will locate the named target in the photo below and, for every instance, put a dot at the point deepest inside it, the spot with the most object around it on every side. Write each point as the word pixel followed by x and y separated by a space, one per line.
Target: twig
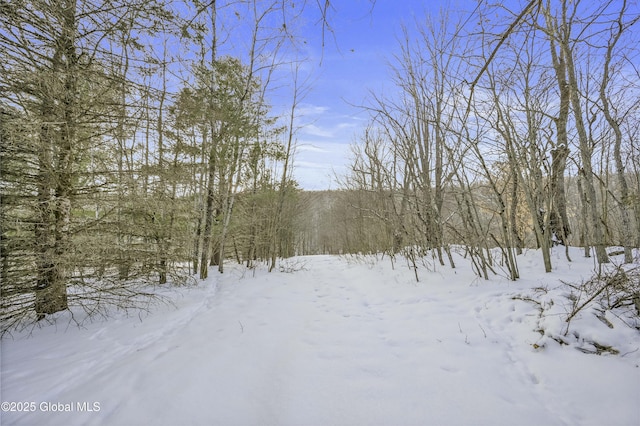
pixel 484 332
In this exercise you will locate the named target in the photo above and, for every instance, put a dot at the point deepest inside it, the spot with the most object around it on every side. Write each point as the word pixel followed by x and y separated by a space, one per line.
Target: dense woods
pixel 139 146
pixel 139 143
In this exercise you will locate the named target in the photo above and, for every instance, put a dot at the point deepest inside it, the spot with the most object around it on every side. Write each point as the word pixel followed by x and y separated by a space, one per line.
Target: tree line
pixel 139 144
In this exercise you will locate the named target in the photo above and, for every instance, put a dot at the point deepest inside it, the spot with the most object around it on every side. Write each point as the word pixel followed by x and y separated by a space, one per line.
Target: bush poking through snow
pixel 598 316
pixel 290 266
pixel 619 288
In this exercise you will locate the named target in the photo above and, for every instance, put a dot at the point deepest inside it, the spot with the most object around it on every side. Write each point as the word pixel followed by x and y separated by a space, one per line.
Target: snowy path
pixel 335 343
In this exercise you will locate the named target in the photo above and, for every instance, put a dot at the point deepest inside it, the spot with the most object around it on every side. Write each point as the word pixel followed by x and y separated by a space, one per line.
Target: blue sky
pixel 353 63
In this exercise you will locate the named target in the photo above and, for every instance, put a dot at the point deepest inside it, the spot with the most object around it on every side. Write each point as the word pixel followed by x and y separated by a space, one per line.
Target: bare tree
pixel 618 27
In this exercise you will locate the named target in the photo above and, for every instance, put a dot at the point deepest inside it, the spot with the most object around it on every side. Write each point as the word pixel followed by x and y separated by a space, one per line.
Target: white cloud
pixel 342 126
pixel 309 147
pixel 313 130
pixel 311 110
pixel 317 162
pixel 323 146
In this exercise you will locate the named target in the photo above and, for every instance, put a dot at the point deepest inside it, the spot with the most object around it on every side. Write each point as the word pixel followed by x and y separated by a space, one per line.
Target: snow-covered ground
pixel 331 341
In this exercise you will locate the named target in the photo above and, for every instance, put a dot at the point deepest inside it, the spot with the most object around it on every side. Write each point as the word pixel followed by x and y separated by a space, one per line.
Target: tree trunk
pixel 208 218
pixel 585 154
pixel 624 201
pixel 559 221
pixel 51 293
pixel 209 210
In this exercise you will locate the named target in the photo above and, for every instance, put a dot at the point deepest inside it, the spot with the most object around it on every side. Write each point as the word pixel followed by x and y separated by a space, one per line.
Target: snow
pixel 340 341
